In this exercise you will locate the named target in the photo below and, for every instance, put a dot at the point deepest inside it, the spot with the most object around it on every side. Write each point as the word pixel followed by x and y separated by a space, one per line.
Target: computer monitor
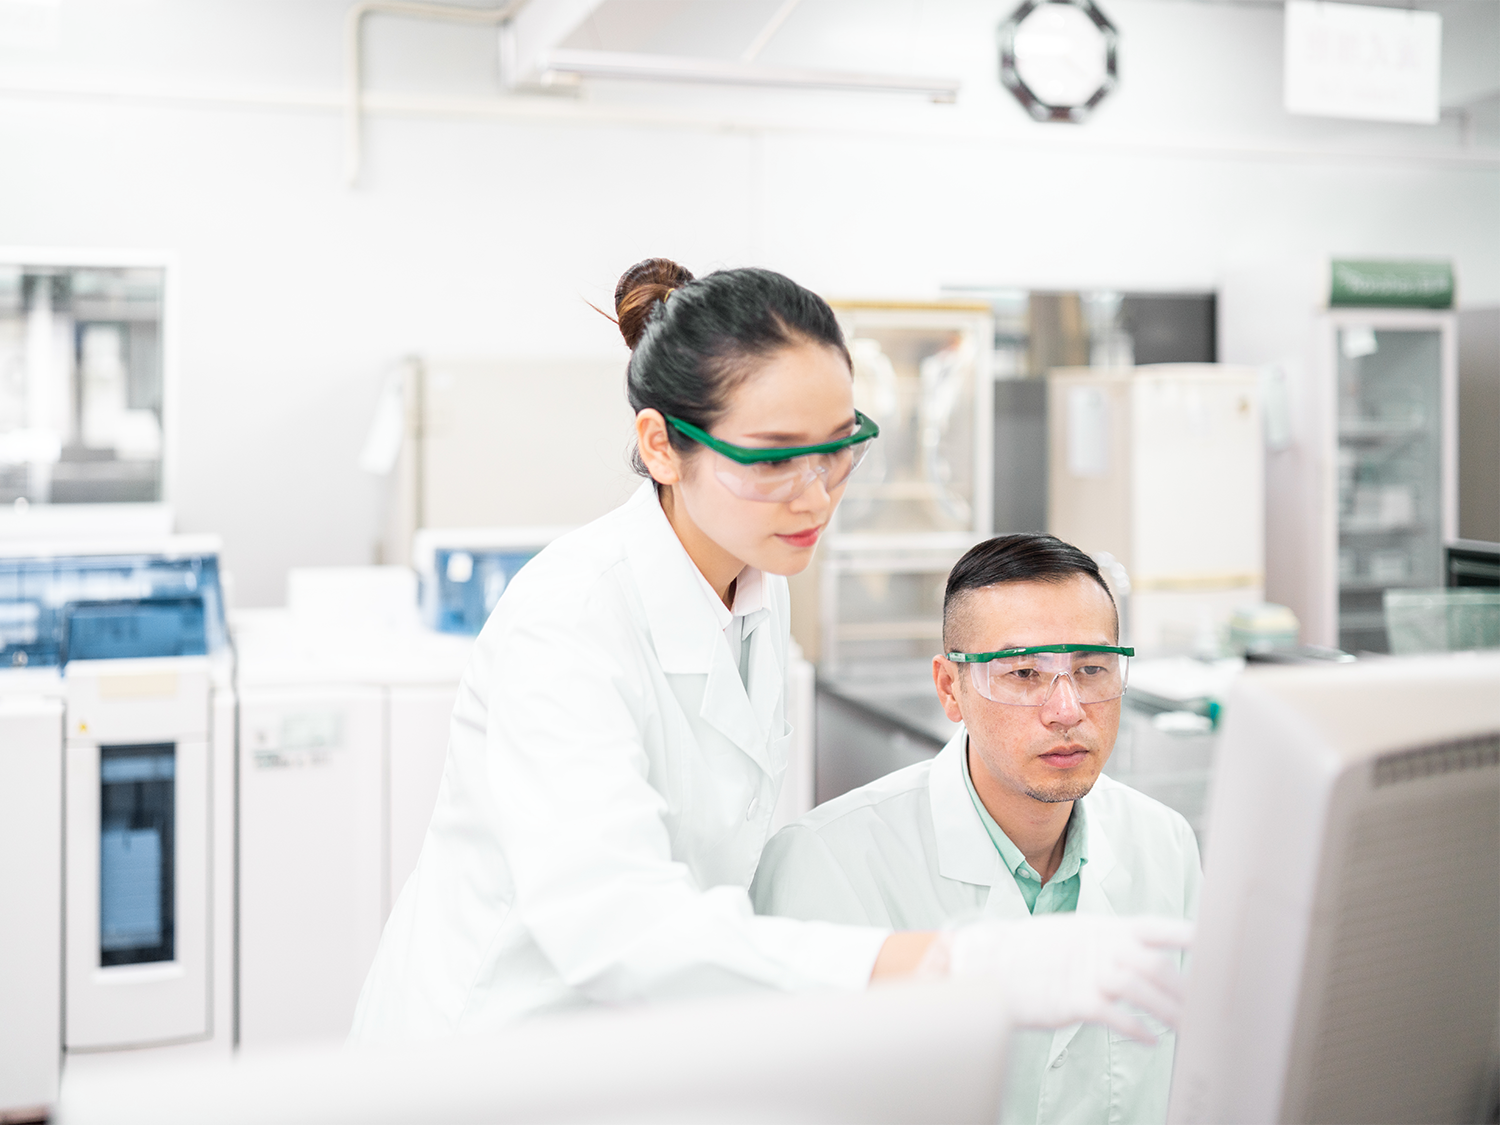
pixel 1347 964
pixel 1472 562
pixel 893 1053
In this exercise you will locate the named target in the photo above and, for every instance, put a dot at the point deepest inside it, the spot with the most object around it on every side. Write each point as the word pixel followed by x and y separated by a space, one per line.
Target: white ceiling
pixel 885 33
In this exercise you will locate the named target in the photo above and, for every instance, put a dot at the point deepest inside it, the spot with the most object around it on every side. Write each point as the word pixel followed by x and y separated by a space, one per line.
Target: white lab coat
pixel 609 785
pixel 909 851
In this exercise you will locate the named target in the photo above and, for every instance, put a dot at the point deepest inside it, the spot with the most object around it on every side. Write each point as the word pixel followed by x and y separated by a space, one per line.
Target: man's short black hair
pixel 1014 558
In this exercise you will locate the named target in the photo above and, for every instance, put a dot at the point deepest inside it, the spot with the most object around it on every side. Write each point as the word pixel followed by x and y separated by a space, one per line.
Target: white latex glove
pixel 1063 969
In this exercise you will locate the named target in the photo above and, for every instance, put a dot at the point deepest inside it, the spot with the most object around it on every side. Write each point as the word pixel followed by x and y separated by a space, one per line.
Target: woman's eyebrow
pixel 799 439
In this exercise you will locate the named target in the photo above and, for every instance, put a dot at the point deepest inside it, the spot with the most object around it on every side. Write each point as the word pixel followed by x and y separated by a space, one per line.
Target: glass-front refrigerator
pixel 1395 392
pixel 923 494
pixel 922 497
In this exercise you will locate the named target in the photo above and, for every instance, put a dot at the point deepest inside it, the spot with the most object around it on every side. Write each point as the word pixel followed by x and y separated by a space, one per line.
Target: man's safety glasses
pixel 1027 677
pixel 783 473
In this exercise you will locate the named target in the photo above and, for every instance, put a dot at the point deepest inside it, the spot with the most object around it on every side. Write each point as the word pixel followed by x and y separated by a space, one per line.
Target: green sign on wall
pixel 1391 285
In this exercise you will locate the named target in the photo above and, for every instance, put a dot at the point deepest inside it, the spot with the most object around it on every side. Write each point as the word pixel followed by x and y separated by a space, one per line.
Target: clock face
pixel 1058 57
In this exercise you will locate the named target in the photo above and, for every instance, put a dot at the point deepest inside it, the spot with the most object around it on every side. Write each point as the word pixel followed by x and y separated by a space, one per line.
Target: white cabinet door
pixel 30 902
pixel 311 869
pixel 419 718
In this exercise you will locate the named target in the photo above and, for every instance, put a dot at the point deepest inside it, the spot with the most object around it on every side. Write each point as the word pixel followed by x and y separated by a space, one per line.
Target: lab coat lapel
pixel 965 851
pixel 767 676
pixel 729 710
pixel 688 637
pixel 1099 881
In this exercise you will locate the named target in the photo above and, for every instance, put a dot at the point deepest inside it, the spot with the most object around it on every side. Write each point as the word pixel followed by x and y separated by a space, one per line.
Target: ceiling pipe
pixel 727 72
pixel 562 65
pixel 354 56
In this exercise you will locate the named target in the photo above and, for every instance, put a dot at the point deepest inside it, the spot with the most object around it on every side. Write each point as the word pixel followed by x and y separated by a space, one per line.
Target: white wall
pixel 480 226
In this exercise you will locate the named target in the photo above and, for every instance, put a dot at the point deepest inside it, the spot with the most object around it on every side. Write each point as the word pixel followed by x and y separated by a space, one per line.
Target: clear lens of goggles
pixel 1029 681
pixel 780 481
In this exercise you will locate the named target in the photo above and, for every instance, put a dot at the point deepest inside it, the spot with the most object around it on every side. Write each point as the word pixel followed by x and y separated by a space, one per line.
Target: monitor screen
pixel 1347 967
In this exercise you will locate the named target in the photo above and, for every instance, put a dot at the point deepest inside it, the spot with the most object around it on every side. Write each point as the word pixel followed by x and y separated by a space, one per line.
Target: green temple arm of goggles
pixel 745 456
pixel 986 657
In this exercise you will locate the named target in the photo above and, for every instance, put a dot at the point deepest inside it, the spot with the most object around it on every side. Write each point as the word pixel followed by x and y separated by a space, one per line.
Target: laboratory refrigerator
pixel 1389 381
pixel 1361 410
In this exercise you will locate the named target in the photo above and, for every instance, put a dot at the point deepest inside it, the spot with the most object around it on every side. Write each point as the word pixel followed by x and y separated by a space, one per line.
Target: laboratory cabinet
pixel 343 733
pixel 117 783
pixel 31 786
pixel 311 878
pixel 435 438
pixel 1161 468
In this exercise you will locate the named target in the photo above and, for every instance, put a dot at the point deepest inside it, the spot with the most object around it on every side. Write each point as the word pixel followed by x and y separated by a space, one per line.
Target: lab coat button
pixel 1057 1062
pixel 754 804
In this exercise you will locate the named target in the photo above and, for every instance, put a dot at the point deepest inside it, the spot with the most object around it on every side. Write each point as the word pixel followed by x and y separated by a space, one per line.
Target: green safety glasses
pixel 1027 677
pixel 782 473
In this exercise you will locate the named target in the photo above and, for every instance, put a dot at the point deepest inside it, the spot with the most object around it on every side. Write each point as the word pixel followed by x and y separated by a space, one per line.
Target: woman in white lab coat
pixel 619 737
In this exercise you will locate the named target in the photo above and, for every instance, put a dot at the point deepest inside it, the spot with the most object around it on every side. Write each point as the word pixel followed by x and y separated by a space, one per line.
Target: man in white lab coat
pixel 1013 817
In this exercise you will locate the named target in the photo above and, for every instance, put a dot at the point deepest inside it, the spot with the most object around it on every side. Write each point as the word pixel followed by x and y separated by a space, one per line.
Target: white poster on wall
pixel 1352 60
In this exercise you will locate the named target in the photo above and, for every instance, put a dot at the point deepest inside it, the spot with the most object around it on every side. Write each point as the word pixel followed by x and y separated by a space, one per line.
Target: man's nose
pixel 1063 708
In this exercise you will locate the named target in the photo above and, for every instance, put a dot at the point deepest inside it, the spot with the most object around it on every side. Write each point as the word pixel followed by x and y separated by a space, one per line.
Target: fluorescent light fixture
pixel 1351 60
pixel 727 72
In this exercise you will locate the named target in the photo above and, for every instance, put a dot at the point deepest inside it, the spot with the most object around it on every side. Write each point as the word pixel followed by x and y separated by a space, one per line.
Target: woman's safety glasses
pixel 1027 677
pixel 783 473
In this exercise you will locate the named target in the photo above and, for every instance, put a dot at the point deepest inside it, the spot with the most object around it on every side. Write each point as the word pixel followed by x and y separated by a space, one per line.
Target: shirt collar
pixel 749 595
pixel 1075 848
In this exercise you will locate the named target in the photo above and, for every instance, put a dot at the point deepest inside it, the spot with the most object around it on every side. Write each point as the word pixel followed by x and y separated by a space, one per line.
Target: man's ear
pixel 945 676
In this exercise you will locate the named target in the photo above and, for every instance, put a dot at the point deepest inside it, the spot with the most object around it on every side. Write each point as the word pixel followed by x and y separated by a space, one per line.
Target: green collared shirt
pixel 1060 895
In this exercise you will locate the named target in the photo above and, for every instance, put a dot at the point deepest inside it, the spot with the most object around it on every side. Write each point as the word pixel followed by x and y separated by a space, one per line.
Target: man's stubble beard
pixel 1065 789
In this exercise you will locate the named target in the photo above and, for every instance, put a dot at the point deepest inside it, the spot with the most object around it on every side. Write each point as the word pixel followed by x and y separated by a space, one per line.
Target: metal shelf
pixel 1373 529
pixel 1368 586
pixel 1377 432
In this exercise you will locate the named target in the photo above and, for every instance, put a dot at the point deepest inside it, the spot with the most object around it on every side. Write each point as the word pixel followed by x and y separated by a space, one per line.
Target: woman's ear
pixel 662 461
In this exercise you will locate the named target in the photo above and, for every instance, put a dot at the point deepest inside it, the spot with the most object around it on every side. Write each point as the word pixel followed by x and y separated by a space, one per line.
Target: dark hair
pixel 692 341
pixel 1014 558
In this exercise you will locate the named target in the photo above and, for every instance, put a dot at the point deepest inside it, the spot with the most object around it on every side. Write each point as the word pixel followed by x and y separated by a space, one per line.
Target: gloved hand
pixel 1062 969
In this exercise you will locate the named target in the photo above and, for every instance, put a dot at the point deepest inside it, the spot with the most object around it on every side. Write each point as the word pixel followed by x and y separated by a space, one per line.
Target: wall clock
pixel 1059 58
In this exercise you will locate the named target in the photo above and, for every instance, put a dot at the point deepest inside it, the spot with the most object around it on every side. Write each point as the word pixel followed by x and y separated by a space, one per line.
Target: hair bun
pixel 638 290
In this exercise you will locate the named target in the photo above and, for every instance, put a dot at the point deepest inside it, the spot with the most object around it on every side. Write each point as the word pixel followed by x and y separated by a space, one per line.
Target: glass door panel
pixel 80 384
pixel 916 375
pixel 136 854
pixel 1389 473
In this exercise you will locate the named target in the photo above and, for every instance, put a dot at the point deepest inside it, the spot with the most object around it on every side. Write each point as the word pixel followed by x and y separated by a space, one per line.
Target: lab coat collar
pixel 964 849
pixel 688 634
pixel 685 631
